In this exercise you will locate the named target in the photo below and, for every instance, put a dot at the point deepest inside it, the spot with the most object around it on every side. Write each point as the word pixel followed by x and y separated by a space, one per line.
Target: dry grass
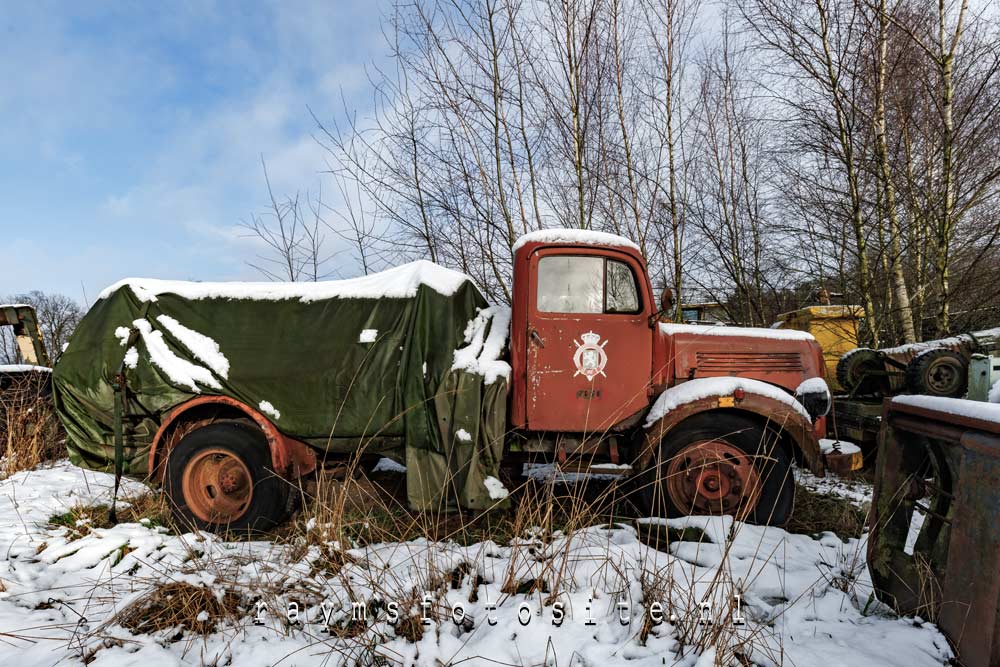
pixel 181 606
pixel 30 433
pixel 815 513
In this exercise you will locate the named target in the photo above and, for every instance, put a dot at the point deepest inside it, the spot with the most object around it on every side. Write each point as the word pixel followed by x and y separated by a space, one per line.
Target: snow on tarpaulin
pixel 573 236
pixel 699 388
pixel 670 328
pixel 202 347
pixel 482 354
pixel 366 361
pixel 401 282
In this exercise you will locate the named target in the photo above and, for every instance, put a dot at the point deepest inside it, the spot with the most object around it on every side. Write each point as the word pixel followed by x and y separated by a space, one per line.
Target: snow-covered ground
pixel 804 601
pixel 857 491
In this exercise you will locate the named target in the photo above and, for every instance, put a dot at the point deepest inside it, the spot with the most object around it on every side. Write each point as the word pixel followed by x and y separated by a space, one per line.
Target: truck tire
pixel 720 463
pixel 938 373
pixel 219 478
pixel 854 368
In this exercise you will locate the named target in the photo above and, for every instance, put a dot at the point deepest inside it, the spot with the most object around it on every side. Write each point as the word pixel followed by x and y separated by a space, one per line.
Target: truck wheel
pixel 938 373
pixel 218 477
pixel 856 372
pixel 717 463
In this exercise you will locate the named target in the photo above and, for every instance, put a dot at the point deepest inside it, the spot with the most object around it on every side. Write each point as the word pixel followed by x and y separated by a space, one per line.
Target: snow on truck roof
pixel 575 236
pixel 400 282
pixel 746 332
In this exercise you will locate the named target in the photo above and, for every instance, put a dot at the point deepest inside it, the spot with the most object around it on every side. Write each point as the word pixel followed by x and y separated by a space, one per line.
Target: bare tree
pixel 294 239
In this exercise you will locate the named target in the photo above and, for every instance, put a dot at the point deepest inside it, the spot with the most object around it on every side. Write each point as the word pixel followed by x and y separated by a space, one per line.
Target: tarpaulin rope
pixel 120 387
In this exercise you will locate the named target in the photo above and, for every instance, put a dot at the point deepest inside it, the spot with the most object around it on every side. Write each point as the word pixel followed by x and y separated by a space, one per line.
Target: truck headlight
pixel 814 396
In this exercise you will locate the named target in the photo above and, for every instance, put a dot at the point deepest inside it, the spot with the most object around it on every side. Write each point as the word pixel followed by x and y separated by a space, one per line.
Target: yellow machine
pixel 834 327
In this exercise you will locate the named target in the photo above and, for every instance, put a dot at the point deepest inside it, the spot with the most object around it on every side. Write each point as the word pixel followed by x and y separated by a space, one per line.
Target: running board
pixel 608 469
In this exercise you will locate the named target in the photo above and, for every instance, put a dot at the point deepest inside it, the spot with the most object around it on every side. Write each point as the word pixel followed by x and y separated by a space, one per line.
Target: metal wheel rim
pixel 942 376
pixel 713 477
pixel 217 486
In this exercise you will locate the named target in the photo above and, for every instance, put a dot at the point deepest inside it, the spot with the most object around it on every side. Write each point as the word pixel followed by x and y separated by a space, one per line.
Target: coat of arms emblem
pixel 590 357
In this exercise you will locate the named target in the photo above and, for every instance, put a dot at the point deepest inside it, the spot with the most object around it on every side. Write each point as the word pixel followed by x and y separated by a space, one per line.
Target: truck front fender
pixel 290 457
pixel 783 416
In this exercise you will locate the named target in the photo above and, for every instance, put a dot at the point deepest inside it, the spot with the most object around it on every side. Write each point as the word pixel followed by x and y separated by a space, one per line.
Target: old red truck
pixel 703 419
pixel 710 419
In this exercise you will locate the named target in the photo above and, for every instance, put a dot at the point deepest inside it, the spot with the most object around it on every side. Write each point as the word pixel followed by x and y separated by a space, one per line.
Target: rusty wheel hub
pixel 713 477
pixel 217 486
pixel 943 377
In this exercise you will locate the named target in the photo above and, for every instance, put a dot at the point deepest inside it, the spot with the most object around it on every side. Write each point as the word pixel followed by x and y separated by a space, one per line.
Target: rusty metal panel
pixel 728 362
pixel 946 467
pixel 697 356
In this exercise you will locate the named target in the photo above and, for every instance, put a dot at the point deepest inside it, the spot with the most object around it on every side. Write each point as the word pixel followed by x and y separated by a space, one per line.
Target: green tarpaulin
pixel 339 365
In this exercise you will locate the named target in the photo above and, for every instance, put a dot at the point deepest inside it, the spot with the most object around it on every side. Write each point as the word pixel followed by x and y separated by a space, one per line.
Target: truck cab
pixel 598 375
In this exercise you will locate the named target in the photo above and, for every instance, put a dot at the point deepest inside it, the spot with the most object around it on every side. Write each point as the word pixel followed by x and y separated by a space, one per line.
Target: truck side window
pixel 585 284
pixel 622 294
pixel 568 284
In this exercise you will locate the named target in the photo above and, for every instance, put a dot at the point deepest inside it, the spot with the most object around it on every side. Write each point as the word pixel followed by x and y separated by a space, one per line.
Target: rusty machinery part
pixel 219 478
pixel 27 334
pixel 938 372
pixel 719 463
pixel 943 466
pixel 862 371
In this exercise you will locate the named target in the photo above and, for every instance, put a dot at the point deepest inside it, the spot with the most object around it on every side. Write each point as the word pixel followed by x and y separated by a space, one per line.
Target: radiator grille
pixel 753 362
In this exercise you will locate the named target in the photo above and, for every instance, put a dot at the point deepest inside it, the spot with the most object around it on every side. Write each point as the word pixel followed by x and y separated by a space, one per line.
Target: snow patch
pixel 201 346
pixel 131 358
pixel 269 410
pixel 815 385
pixel 400 282
pixel 994 396
pixel 496 488
pixel 856 491
pixel 122 334
pixel 699 388
pixel 913 532
pixel 671 328
pixel 388 465
pixel 482 352
pixel 463 435
pixel 368 336
pixel 180 371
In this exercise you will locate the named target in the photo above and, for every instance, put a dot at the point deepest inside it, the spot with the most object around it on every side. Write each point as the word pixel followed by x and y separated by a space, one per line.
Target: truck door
pixel 589 344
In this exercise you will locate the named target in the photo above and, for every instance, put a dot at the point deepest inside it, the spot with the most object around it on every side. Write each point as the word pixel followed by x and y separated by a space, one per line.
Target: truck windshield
pixel 585 284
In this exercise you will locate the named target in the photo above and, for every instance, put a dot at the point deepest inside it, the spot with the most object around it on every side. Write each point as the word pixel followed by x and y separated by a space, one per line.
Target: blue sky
pixel 132 133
